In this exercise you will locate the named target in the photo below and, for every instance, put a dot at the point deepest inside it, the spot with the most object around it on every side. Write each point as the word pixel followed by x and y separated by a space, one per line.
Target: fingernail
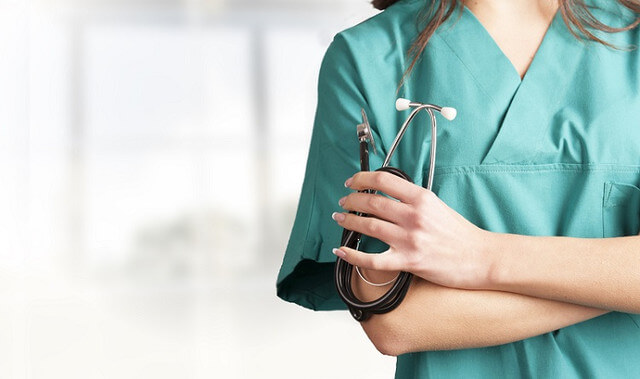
pixel 339 217
pixel 341 201
pixel 348 182
pixel 339 253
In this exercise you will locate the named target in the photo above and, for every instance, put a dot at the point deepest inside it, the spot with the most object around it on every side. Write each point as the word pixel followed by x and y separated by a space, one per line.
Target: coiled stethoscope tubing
pixel 361 310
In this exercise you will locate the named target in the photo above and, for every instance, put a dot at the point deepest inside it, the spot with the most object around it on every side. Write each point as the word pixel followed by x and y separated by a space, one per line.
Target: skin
pixel 469 283
pixel 517 26
pixel 434 317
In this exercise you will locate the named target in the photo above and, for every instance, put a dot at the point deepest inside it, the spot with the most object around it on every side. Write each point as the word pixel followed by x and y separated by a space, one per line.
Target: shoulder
pixel 388 23
pixel 390 30
pixel 375 46
pixel 613 13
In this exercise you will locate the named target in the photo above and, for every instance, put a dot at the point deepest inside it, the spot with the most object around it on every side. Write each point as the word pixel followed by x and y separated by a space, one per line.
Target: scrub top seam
pixel 455 170
pixel 609 187
pixel 632 319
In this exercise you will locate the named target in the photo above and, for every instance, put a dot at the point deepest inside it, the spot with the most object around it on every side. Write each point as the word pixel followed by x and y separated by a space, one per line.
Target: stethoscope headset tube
pixel 361 310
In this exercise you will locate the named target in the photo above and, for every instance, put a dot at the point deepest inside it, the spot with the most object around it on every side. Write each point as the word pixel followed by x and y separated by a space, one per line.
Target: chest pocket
pixel 620 210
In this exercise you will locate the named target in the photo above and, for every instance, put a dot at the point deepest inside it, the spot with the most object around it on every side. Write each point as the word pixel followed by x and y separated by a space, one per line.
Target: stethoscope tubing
pixel 434 140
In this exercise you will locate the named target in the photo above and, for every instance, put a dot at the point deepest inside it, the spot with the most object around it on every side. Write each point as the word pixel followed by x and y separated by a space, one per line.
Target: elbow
pixel 387 339
pixel 391 349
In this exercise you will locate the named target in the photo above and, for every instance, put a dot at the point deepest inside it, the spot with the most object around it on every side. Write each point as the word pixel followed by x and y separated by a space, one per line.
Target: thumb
pixel 386 261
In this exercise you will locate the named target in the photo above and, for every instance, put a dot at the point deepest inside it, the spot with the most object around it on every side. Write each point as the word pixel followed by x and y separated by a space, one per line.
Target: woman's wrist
pixel 492 259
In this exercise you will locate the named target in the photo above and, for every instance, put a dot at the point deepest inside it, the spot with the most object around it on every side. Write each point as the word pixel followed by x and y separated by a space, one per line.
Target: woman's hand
pixel 426 237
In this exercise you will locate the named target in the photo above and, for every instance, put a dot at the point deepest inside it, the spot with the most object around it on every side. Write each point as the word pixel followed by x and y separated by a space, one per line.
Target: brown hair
pixel 576 14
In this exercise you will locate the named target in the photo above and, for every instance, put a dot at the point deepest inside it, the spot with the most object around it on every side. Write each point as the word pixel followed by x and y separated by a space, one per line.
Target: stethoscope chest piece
pixel 364 131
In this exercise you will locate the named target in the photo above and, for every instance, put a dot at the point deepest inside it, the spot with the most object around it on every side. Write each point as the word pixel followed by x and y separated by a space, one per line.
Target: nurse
pixel 526 253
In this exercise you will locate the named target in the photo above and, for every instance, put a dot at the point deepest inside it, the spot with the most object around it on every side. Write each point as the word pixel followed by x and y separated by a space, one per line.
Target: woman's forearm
pixel 429 239
pixel 602 273
pixel 433 317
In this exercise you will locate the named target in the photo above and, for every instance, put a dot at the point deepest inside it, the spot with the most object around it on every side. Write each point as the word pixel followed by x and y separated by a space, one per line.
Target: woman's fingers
pixel 425 236
pixel 385 182
pixel 393 223
pixel 380 206
pixel 387 261
pixel 385 231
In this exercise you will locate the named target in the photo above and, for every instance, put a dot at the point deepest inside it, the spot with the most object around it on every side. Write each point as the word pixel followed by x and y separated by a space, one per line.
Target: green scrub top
pixel 557 153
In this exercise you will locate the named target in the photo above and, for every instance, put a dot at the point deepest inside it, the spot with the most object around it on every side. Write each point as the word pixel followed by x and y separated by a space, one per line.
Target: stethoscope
pixel 361 310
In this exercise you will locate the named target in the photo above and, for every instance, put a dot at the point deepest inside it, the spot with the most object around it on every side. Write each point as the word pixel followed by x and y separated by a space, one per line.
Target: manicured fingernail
pixel 339 217
pixel 339 253
pixel 348 182
pixel 341 201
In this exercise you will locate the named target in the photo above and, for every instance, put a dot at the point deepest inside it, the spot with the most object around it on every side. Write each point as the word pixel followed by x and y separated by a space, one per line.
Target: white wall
pixel 151 155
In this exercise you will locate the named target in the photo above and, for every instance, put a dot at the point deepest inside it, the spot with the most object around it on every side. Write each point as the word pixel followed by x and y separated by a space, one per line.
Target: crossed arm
pixel 434 317
pixel 475 288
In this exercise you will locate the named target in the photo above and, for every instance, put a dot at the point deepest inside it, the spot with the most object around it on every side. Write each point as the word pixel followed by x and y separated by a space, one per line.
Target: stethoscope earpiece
pixel 402 104
pixel 449 113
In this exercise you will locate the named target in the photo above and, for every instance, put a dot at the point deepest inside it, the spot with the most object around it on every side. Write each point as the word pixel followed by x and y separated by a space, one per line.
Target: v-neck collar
pixel 470 14
pixel 481 56
pixel 525 102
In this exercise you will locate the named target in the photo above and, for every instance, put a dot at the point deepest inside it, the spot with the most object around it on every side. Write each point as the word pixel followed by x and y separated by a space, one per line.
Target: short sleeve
pixel 306 274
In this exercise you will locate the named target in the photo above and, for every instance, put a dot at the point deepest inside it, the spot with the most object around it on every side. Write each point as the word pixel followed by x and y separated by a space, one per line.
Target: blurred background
pixel 151 158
